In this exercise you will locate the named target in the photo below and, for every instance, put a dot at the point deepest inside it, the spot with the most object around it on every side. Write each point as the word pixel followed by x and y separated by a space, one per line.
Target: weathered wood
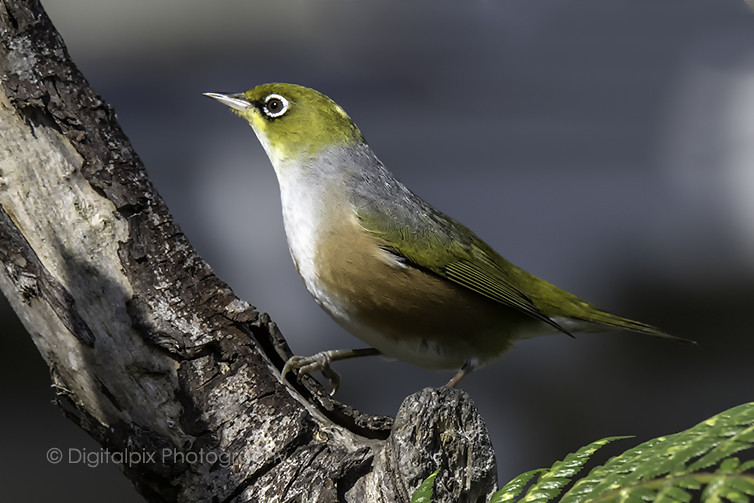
pixel 149 351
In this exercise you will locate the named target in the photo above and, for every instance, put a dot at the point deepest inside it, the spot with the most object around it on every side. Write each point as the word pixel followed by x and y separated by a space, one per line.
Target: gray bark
pixel 149 351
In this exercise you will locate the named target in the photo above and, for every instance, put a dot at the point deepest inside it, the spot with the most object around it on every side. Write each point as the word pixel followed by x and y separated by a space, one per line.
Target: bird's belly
pixel 441 327
pixel 407 313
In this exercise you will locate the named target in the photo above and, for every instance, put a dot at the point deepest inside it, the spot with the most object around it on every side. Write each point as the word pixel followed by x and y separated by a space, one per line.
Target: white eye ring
pixel 275 105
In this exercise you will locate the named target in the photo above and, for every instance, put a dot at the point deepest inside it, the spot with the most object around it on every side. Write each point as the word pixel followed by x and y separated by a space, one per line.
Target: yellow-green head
pixel 292 121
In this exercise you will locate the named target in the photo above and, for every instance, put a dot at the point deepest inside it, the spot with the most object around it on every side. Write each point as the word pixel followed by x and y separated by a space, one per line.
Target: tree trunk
pixel 150 352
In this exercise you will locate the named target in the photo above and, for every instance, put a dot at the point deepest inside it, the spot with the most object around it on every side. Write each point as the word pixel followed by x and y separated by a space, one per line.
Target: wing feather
pixel 446 248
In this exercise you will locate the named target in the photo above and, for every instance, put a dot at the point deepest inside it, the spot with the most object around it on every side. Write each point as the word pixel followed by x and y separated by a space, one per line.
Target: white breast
pixel 309 203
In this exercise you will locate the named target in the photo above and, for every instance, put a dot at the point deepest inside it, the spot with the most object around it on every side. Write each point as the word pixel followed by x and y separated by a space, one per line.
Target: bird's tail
pixel 599 320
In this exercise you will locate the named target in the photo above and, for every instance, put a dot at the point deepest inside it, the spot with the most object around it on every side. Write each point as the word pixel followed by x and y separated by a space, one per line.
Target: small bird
pixel 403 277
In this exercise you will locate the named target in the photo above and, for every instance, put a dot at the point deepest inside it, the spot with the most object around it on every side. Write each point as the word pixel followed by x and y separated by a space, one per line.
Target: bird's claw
pixel 308 364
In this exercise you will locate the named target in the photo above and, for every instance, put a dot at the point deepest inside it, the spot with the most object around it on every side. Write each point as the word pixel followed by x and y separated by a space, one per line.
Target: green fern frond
pixel 665 469
pixel 698 462
pixel 717 489
pixel 553 480
pixel 423 493
pixel 550 481
pixel 512 489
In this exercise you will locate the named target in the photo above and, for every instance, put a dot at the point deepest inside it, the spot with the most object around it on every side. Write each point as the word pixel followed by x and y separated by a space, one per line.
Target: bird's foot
pixel 321 361
pixel 308 364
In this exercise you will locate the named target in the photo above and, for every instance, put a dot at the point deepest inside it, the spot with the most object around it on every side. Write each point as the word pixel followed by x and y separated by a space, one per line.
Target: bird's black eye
pixel 275 105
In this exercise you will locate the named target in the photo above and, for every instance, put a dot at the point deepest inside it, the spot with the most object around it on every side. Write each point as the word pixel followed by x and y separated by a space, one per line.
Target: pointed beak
pixel 234 101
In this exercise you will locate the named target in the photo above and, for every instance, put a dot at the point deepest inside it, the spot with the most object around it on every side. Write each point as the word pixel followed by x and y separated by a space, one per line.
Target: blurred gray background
pixel 607 147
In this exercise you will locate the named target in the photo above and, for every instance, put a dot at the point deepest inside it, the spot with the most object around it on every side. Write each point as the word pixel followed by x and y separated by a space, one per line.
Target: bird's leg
pixel 321 361
pixel 467 368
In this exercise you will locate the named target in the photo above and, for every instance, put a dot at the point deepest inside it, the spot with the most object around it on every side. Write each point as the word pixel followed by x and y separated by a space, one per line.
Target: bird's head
pixel 292 122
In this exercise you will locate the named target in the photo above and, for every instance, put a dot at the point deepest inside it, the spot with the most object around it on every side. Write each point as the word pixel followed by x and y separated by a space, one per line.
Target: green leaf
pixel 733 432
pixel 735 488
pixel 746 467
pixel 670 493
pixel 698 462
pixel 667 469
pixel 423 493
pixel 512 489
pixel 551 480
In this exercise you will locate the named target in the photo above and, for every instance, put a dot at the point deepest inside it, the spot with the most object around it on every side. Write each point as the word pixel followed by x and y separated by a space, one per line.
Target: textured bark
pixel 149 351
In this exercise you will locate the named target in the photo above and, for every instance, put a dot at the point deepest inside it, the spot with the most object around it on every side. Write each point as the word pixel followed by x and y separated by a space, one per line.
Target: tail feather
pixel 599 320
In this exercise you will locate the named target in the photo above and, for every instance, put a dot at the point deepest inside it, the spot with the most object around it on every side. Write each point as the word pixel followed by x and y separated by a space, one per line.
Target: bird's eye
pixel 275 105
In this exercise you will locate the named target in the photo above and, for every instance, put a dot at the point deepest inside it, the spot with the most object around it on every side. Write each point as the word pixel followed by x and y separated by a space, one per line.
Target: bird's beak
pixel 234 101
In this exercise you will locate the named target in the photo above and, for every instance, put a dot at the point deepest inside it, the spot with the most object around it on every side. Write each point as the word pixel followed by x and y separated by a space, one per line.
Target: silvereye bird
pixel 403 277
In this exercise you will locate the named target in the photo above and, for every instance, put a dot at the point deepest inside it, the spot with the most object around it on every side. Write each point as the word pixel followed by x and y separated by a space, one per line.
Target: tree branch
pixel 149 351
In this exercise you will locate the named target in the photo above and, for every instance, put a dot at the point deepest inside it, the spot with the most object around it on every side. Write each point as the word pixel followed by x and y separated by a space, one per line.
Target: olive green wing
pixel 433 242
